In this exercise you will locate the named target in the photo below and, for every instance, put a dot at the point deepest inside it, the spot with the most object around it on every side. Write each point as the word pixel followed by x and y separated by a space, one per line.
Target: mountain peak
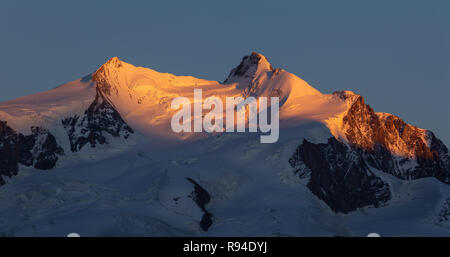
pixel 249 66
pixel 348 96
pixel 108 69
pixel 261 58
pixel 345 94
pixel 114 63
pixel 113 60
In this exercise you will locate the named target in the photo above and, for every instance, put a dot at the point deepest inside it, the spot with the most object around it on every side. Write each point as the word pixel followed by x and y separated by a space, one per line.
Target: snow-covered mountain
pixel 113 166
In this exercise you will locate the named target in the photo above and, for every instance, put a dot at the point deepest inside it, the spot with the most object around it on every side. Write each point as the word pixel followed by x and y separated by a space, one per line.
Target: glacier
pixel 122 171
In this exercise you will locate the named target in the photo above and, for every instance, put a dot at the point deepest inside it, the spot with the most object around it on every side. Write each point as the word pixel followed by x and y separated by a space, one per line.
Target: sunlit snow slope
pixel 114 167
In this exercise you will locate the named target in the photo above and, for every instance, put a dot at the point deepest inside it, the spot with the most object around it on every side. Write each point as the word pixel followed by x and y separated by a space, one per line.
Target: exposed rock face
pixel 201 197
pixel 340 171
pixel 41 150
pixel 393 146
pixel 38 149
pixel 99 119
pixel 245 72
pixel 444 214
pixel 339 176
pixel 107 74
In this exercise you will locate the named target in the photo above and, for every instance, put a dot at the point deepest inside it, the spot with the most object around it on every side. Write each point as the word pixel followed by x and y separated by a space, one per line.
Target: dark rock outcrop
pixel 444 214
pixel 201 197
pixel 99 119
pixel 246 73
pixel 388 143
pixel 246 68
pixel 340 177
pixel 340 173
pixel 106 75
pixel 39 149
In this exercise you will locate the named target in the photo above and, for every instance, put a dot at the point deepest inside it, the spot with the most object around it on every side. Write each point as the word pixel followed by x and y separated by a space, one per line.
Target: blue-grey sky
pixel 395 53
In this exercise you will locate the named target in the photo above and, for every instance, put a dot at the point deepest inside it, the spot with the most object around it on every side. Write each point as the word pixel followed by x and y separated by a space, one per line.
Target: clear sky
pixel 395 53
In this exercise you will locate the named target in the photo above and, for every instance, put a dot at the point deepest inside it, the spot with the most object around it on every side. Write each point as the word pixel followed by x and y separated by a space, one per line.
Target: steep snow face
pixel 250 67
pixel 47 108
pixel 73 114
pixel 299 102
pixel 140 98
pixel 334 154
pixel 143 96
pixel 98 120
pixel 256 77
pixel 43 113
pixel 242 188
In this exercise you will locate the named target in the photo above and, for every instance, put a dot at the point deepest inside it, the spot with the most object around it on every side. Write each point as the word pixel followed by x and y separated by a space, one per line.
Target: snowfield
pixel 145 184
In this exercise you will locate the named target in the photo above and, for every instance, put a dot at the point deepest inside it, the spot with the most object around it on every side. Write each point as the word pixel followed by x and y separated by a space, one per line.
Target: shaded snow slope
pixel 253 191
pixel 338 169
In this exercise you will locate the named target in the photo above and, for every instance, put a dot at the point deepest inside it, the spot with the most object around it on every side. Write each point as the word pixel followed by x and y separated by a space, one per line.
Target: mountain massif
pixel 97 156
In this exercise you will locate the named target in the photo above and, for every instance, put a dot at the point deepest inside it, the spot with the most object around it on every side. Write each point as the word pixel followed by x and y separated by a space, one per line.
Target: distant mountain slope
pixel 340 170
pixel 108 135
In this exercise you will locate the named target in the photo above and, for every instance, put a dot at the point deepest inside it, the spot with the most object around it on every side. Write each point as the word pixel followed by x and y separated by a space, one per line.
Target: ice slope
pixel 48 108
pixel 143 96
pixel 141 188
pixel 144 192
